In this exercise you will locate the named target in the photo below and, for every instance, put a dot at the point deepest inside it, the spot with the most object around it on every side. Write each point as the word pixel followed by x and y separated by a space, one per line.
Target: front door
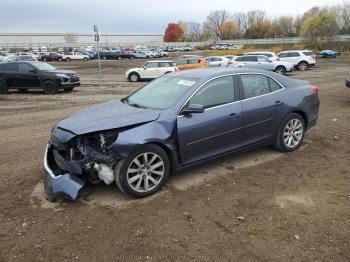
pixel 28 76
pixel 151 70
pixel 218 129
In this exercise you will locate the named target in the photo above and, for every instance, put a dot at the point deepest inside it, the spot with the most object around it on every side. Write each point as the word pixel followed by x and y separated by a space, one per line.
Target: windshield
pixel 161 93
pixel 44 66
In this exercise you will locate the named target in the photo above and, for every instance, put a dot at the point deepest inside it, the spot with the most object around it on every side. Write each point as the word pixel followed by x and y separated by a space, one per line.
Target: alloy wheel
pixel 293 133
pixel 145 172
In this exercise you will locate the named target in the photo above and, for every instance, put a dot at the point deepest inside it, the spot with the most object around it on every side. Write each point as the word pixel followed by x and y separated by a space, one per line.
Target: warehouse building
pixel 28 40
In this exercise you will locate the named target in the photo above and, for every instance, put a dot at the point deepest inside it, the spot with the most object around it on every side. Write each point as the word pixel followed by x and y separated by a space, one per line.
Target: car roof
pixel 206 74
pixel 260 52
pixel 160 61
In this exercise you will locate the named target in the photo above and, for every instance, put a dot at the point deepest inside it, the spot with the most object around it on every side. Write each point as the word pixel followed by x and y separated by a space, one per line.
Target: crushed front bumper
pixel 63 185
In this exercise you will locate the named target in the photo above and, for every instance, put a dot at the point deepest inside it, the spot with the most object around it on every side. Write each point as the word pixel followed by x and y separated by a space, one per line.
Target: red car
pixel 51 57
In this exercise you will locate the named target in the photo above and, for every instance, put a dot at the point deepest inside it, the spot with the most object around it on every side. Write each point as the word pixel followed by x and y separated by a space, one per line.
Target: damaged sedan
pixel 174 122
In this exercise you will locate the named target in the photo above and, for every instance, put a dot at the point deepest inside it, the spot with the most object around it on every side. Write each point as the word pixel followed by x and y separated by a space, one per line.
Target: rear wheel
pixel 60 59
pixel 3 87
pixel 85 59
pixel 50 87
pixel 45 59
pixel 291 133
pixel 280 70
pixel 143 172
pixel 134 77
pixel 68 59
pixel 302 66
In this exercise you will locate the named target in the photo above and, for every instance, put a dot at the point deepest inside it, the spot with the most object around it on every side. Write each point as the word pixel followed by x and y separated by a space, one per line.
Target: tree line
pixel 225 25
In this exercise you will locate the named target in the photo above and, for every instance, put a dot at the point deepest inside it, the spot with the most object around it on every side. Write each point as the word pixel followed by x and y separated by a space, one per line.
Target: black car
pixel 348 82
pixel 118 55
pixel 36 75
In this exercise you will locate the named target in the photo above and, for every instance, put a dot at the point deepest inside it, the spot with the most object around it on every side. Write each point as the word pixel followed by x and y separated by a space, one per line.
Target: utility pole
pixel 97 40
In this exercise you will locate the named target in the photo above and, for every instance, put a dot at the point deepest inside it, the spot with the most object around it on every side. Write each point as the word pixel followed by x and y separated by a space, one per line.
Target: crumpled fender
pixel 129 140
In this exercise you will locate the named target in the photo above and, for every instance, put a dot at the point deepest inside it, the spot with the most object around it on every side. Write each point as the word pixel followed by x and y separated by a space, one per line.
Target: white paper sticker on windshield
pixel 186 82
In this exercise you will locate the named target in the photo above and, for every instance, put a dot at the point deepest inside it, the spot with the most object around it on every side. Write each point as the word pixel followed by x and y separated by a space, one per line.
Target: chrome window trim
pixel 235 74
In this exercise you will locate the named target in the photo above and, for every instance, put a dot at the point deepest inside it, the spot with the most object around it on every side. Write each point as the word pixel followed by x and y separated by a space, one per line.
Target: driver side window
pixel 217 92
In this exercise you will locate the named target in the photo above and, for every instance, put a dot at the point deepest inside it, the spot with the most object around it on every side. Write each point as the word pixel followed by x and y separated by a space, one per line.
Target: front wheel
pixel 281 70
pixel 143 172
pixel 291 133
pixel 50 87
pixel 85 59
pixel 68 59
pixel 134 77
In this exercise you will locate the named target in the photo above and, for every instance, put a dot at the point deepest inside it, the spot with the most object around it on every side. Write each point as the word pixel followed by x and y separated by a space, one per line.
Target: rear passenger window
pixel 274 86
pixel 217 92
pixel 181 62
pixel 193 61
pixel 293 54
pixel 249 58
pixel 283 55
pixel 25 68
pixel 164 64
pixel 255 85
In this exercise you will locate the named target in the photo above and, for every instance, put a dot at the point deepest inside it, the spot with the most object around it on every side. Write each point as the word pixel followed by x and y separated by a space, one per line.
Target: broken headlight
pixel 103 140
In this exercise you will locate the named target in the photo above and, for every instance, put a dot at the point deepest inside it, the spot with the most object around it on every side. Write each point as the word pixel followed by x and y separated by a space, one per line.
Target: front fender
pixel 153 132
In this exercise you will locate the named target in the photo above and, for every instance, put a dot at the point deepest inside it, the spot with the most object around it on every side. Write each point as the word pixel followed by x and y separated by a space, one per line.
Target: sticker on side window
pixel 186 82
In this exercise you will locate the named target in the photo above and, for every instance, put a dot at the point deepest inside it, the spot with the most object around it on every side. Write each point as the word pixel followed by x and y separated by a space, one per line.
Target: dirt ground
pixel 260 206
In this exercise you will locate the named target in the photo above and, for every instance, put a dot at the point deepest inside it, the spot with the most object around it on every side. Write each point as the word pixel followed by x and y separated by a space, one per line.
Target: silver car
pixel 262 62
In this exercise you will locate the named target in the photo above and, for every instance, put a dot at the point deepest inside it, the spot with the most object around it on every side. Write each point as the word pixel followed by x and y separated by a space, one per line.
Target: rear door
pixel 262 105
pixel 265 64
pixel 165 67
pixel 10 73
pixel 219 128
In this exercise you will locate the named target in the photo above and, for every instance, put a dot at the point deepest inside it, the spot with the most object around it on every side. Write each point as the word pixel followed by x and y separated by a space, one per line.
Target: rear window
pixel 11 67
pixel 249 58
pixel 308 53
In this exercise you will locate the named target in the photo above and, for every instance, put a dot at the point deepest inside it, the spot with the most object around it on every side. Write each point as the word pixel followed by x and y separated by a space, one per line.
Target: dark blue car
pixel 173 122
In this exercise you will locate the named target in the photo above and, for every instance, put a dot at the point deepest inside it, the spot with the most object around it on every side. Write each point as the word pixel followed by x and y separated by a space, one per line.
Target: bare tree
pixel 194 31
pixel 70 38
pixel 240 20
pixel 215 20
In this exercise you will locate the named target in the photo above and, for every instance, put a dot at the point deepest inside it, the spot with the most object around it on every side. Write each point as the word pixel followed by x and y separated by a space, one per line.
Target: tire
pixel 67 59
pixel 68 89
pixel 281 70
pixel 3 87
pixel 138 180
pixel 119 58
pixel 85 59
pixel 302 66
pixel 287 135
pixel 60 59
pixel 104 58
pixel 134 77
pixel 45 59
pixel 131 57
pixel 50 87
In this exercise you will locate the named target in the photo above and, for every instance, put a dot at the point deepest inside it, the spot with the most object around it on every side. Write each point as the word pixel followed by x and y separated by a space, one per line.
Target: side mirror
pixel 193 109
pixel 33 71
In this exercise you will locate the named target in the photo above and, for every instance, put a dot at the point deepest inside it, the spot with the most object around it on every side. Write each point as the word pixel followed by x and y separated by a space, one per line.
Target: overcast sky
pixel 123 16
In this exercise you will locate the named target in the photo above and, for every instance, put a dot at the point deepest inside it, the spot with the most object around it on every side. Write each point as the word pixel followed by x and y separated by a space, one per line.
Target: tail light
pixel 315 89
pixel 230 62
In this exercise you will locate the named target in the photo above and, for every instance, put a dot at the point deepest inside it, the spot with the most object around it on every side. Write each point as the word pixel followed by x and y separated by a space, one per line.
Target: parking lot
pixel 259 206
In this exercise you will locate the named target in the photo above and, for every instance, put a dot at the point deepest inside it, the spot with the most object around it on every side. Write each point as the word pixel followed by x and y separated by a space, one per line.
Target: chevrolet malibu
pixel 174 122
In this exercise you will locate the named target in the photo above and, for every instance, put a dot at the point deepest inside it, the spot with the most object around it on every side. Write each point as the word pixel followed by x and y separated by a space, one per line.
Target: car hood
pixel 110 115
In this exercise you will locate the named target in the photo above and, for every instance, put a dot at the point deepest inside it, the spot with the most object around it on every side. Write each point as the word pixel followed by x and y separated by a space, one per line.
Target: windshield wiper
pixel 137 105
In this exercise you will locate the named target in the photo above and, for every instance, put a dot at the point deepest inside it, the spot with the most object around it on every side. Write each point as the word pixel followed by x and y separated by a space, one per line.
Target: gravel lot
pixel 260 206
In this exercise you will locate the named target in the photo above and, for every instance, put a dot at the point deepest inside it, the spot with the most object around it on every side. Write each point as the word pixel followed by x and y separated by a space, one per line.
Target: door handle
pixel 278 103
pixel 233 116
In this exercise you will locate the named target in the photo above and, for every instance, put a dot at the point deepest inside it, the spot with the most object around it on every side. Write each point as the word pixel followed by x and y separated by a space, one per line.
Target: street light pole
pixel 97 40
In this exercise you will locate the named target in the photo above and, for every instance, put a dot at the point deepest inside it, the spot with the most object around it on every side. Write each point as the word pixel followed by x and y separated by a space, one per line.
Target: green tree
pixel 320 25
